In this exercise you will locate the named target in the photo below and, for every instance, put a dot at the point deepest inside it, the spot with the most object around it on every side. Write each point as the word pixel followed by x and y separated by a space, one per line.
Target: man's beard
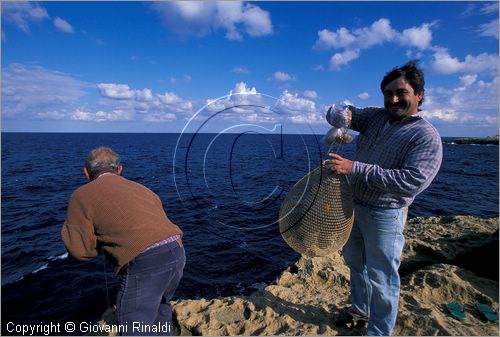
pixel 397 111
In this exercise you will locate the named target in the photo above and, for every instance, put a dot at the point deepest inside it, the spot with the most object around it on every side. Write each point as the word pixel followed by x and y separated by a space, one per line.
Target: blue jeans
pixel 373 255
pixel 147 285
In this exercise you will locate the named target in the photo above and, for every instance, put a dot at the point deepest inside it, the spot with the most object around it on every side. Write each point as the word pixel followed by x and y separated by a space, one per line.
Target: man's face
pixel 400 99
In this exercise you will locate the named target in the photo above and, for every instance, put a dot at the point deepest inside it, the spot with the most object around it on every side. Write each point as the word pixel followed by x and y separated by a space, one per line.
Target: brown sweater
pixel 121 216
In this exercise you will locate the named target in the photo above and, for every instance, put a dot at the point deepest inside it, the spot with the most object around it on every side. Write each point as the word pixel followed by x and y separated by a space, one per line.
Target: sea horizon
pixel 203 133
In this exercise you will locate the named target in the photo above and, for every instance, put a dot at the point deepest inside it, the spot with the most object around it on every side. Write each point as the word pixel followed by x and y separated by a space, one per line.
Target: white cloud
pixel 147 111
pixel 116 91
pixel 240 70
pixel 282 76
pixel 412 55
pixel 200 18
pixel 419 37
pixel 473 103
pixel 338 60
pixel 227 14
pixel 241 88
pixel 342 38
pixel 188 17
pixel 319 67
pixel 469 10
pixel 489 8
pixel 257 22
pixel 296 106
pixel 161 117
pixel 145 95
pixel 32 90
pixel 148 106
pixel 457 118
pixel 362 38
pixel 445 64
pixel 310 94
pixel 243 95
pixel 364 96
pixel 169 102
pixel 63 25
pixel 486 8
pixel 468 80
pixel 50 115
pixel 186 79
pixel 243 103
pixel 101 116
pixel 489 29
pixel 115 115
pixel 80 115
pixel 169 98
pixel 22 14
pixel 379 32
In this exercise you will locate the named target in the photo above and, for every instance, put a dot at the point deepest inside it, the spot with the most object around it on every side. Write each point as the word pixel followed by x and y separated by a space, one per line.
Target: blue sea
pixel 224 191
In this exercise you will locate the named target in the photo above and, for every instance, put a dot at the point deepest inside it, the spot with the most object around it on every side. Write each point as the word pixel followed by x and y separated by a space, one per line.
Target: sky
pixel 199 66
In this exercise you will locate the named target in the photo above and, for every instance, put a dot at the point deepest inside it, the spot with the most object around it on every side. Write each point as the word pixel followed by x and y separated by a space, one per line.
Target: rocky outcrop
pixel 481 141
pixel 445 259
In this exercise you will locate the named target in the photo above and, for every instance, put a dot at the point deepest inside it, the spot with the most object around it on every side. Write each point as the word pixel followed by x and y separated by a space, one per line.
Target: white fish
pixel 337 136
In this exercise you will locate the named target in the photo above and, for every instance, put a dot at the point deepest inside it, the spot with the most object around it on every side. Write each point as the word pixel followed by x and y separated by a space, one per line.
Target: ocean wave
pixel 258 286
pixel 59 257
pixel 6 281
pixel 42 267
pixel 45 265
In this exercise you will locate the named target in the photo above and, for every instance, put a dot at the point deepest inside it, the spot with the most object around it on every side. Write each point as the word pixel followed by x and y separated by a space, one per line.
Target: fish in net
pixel 317 214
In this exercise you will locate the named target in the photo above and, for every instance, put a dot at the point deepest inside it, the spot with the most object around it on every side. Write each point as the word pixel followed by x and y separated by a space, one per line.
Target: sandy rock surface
pixel 445 259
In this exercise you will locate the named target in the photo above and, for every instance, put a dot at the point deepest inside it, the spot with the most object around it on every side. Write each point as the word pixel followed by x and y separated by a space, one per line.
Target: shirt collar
pixel 105 174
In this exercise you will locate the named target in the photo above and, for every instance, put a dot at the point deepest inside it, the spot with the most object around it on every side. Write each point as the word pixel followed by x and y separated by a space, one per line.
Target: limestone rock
pixel 434 272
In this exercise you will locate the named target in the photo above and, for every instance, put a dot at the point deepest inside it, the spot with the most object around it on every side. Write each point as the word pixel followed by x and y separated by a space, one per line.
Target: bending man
pixel 127 221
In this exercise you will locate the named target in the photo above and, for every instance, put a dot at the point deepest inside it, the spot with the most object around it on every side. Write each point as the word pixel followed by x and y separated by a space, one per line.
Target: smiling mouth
pixel 395 107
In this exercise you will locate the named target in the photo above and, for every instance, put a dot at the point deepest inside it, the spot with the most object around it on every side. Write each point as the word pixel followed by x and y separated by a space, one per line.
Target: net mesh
pixel 317 214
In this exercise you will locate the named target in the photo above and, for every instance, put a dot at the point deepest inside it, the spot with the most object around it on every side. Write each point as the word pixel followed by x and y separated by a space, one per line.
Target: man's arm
pixel 78 232
pixel 362 118
pixel 348 116
pixel 418 170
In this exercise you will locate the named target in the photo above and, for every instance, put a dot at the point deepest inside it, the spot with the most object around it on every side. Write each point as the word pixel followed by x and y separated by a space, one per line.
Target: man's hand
pixel 338 164
pixel 339 116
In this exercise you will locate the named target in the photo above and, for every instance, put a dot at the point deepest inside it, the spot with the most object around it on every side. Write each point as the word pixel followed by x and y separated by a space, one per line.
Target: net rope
pixel 317 214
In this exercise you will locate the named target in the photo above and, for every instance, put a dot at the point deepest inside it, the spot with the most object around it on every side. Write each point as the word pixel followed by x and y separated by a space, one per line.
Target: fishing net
pixel 317 214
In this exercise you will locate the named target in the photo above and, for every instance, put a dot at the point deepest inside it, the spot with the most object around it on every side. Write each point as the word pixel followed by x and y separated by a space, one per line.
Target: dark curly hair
pixel 411 73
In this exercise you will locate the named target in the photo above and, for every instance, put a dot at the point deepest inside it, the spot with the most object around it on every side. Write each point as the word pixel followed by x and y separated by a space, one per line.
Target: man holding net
pixel 398 154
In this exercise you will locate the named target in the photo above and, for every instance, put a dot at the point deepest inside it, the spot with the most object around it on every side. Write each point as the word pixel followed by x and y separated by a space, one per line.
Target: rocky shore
pixel 445 259
pixel 491 140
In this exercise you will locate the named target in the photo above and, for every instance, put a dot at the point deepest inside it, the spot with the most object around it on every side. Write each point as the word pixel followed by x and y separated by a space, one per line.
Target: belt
pixel 164 242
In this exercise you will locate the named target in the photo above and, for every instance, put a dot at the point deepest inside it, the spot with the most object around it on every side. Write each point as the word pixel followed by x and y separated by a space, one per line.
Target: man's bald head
pixel 102 160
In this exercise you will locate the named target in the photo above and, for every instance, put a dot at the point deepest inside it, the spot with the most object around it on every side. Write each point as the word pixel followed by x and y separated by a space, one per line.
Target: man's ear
pixel 420 97
pixel 86 173
pixel 119 170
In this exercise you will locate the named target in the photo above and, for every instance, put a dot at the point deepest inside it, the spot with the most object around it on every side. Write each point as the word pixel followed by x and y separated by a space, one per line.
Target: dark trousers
pixel 147 285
